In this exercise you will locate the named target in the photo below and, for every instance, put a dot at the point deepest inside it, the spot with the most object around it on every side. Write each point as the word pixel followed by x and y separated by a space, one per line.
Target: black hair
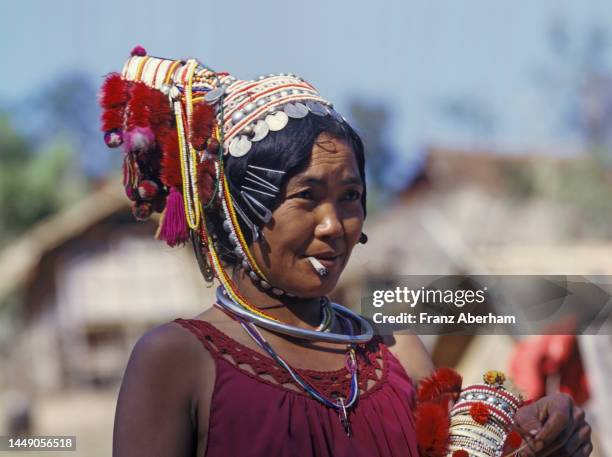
pixel 288 151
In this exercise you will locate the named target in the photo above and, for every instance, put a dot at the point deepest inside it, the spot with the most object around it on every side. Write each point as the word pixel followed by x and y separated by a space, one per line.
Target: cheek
pixel 282 246
pixel 353 226
pixel 296 232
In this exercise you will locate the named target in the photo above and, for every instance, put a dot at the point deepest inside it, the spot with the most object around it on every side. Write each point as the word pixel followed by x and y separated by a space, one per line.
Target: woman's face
pixel 320 215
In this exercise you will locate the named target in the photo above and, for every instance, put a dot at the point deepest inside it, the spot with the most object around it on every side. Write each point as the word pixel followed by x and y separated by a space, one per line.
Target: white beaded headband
pixel 250 109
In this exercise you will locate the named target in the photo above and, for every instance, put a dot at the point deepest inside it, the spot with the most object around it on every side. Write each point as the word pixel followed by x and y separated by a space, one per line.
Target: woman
pixel 267 181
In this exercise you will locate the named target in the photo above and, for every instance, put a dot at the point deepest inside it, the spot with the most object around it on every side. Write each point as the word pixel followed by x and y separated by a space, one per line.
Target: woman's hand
pixel 557 426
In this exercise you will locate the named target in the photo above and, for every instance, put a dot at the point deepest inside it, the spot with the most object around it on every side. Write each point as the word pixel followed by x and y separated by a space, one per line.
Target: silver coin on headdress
pixel 260 130
pixel 239 146
pixel 237 116
pixel 214 95
pixel 295 110
pixel 277 121
pixel 249 108
pixel 317 108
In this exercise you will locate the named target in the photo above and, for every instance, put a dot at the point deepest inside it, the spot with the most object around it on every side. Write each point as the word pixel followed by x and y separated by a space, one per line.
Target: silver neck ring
pixel 361 338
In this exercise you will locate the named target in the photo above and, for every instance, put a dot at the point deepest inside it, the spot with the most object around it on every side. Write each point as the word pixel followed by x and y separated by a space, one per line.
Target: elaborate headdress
pixel 176 121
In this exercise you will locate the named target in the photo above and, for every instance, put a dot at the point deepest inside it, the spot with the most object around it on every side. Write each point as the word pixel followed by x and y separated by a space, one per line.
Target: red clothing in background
pixel 537 360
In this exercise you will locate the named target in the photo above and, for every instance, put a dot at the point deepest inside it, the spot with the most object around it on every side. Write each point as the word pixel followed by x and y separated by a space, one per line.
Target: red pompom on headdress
pixel 114 91
pixel 206 180
pixel 112 119
pixel 161 116
pixel 203 120
pixel 139 136
pixel 114 96
pixel 139 105
pixel 170 173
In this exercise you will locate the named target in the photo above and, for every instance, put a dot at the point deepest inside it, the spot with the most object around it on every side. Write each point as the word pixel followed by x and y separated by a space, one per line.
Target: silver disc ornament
pixel 239 146
pixel 277 121
pixel 295 110
pixel 317 108
pixel 260 130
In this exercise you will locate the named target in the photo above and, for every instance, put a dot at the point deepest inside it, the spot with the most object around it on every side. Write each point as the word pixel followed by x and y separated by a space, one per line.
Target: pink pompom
pixel 139 139
pixel 173 229
pixel 139 51
pixel 113 138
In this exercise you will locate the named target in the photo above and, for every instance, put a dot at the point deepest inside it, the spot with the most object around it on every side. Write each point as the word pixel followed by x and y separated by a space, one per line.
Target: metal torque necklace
pixel 279 327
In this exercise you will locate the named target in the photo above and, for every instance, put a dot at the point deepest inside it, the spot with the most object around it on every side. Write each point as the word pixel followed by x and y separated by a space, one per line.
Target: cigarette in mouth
pixel 320 269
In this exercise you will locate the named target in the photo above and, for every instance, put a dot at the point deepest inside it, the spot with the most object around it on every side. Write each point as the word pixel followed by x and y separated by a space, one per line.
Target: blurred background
pixel 488 129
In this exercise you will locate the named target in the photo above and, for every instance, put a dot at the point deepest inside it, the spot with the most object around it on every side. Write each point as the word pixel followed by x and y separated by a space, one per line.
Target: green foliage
pixel 33 185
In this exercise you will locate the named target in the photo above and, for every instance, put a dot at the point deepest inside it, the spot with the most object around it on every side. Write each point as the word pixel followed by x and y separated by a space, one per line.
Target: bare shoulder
pixel 168 354
pixel 168 343
pixel 160 381
pixel 411 353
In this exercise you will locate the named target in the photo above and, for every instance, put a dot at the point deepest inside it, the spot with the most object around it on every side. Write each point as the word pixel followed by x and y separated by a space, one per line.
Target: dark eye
pixel 305 194
pixel 353 195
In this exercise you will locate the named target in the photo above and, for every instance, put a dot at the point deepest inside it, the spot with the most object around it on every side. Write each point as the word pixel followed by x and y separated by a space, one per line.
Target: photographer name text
pixel 426 318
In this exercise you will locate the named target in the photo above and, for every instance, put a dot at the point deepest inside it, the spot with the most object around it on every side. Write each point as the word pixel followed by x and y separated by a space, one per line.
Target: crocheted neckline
pixel 372 363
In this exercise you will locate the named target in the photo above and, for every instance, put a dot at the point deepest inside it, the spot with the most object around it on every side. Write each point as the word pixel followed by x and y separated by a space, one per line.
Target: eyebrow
pixel 314 181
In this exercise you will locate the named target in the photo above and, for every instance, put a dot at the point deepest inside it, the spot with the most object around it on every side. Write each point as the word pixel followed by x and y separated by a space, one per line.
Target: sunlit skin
pixel 320 215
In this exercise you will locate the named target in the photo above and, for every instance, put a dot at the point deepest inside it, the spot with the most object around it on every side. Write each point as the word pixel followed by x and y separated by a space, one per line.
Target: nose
pixel 329 223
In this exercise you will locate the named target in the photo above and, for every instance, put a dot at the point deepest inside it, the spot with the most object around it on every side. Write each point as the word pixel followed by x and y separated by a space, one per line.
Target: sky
pixel 412 56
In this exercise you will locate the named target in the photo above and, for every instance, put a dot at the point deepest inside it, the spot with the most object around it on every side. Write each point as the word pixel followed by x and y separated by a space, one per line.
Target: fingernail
pixel 534 431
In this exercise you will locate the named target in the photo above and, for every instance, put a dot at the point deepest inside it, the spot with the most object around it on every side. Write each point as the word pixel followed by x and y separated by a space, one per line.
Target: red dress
pixel 254 416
